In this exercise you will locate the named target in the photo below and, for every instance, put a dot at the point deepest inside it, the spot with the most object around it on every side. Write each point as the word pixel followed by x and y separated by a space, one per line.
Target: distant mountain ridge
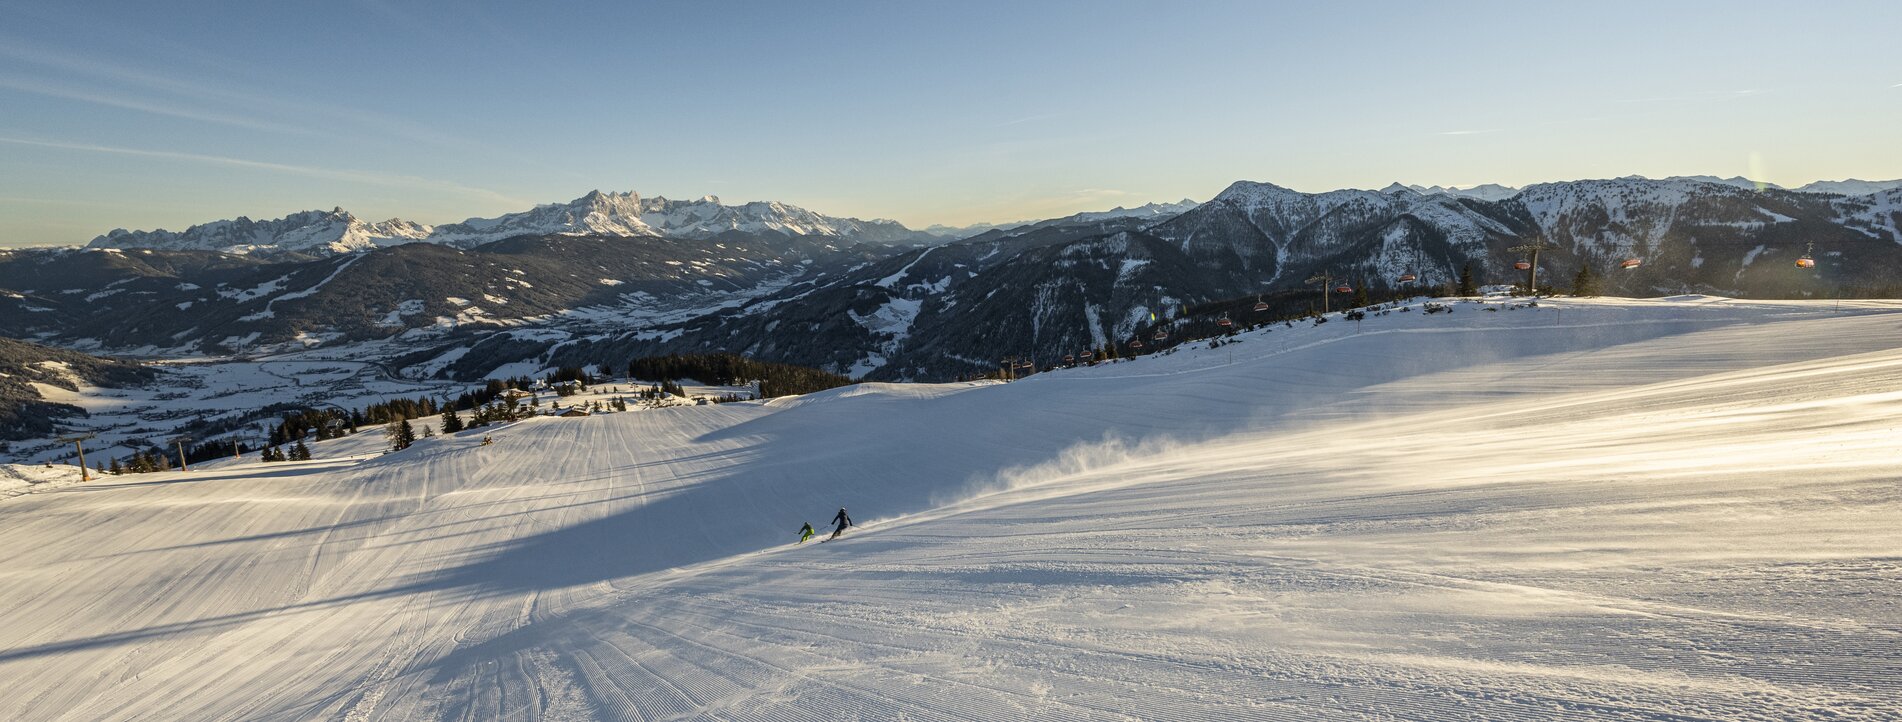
pixel 1849 187
pixel 322 233
pixel 1150 211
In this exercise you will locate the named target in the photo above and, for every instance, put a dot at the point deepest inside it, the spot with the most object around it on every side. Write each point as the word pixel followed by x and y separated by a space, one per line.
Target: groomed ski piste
pixel 1668 509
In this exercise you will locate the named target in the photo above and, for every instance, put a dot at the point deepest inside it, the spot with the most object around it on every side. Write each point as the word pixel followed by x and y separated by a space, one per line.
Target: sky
pixel 145 115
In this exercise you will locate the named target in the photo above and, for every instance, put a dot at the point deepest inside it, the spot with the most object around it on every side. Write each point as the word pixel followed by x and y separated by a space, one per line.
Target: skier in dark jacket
pixel 842 521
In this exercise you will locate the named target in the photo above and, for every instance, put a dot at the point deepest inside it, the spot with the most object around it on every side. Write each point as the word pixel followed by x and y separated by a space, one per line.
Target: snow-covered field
pixel 132 419
pixel 1670 509
pixel 17 479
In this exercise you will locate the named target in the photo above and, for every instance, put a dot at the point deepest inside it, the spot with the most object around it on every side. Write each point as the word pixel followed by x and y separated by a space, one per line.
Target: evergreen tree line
pixel 298 452
pixel 1201 322
pixel 726 369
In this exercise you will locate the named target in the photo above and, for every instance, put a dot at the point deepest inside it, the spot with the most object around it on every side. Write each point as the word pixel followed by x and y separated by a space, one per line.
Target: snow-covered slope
pixel 313 232
pixel 1672 509
pixel 1877 215
pixel 17 479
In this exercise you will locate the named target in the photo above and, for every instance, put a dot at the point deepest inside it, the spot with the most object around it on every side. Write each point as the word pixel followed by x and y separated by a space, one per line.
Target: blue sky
pixel 147 115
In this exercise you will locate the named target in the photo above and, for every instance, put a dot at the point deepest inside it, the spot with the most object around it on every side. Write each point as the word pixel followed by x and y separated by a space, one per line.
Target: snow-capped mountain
pixel 1733 181
pixel 1483 191
pixel 1851 187
pixel 1150 211
pixel 706 217
pixel 1154 212
pixel 308 232
pixel 628 214
pixel 595 214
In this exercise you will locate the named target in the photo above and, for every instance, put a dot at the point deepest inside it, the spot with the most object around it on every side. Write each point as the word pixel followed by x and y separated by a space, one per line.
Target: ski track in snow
pixel 1634 510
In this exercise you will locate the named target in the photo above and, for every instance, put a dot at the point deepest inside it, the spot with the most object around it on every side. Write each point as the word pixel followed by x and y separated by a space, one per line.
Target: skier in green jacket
pixel 805 532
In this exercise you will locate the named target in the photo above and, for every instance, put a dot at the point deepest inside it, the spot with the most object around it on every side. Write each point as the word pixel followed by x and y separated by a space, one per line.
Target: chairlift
pixel 1807 260
pixel 1522 264
pixel 1631 263
pixel 1408 277
pixel 1069 358
pixel 1224 322
pixel 1260 305
pixel 1136 343
pixel 1343 288
pixel 1159 335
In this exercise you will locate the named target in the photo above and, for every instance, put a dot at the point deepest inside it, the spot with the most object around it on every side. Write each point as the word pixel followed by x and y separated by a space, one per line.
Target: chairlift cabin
pixel 1136 343
pixel 1224 322
pixel 1408 277
pixel 1069 358
pixel 1343 288
pixel 1088 354
pixel 1807 260
pixel 1522 264
pixel 1159 335
pixel 1260 305
pixel 1631 263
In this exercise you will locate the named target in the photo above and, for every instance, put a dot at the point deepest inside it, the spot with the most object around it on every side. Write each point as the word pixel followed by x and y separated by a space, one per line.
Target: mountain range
pixel 1150 211
pixel 1047 291
pixel 322 233
pixel 611 276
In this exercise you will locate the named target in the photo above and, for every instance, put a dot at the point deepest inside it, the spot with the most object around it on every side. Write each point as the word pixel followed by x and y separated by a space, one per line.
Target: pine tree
pixel 1467 287
pixel 115 469
pixel 451 423
pixel 1585 283
pixel 300 452
pixel 399 434
pixel 1360 299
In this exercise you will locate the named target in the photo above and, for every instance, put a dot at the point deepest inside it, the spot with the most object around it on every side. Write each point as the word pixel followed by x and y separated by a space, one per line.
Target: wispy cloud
pixel 191 97
pixel 146 106
pixel 353 176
